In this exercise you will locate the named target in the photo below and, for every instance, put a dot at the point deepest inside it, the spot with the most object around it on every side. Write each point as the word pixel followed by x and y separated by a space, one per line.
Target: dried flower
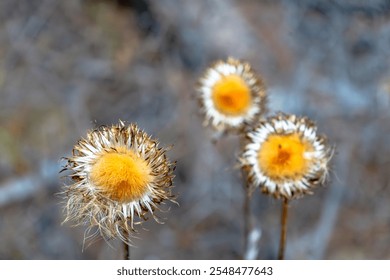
pixel 119 173
pixel 285 157
pixel 231 94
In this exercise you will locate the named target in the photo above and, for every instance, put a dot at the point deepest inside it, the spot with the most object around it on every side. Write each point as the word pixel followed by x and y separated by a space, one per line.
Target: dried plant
pixel 285 158
pixel 120 175
pixel 232 97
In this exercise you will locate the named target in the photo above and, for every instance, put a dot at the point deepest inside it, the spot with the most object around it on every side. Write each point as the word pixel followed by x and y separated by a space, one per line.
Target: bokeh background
pixel 69 66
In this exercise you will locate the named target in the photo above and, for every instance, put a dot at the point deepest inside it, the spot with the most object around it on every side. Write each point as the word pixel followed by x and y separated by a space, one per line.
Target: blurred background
pixel 69 66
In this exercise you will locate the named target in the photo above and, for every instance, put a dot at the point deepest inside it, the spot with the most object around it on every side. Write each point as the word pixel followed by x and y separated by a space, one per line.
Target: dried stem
pixel 246 212
pixel 126 251
pixel 126 247
pixel 283 234
pixel 247 218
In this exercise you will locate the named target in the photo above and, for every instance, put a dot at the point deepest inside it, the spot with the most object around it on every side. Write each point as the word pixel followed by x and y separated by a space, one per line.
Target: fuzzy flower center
pixel 231 95
pixel 283 157
pixel 122 175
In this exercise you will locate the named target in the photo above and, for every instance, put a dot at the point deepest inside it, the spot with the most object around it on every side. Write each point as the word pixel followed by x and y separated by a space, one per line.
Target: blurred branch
pixel 19 189
pixel 252 249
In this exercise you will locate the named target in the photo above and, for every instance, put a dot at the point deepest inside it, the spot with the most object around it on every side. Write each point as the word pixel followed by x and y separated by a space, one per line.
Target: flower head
pixel 230 95
pixel 119 173
pixel 285 157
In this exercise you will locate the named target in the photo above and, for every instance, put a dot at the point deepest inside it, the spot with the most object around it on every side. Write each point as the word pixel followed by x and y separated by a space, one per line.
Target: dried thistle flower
pixel 119 173
pixel 285 157
pixel 231 94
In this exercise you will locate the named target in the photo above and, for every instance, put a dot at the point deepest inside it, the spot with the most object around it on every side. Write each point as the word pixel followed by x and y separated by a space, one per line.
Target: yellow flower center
pixel 283 157
pixel 231 95
pixel 122 175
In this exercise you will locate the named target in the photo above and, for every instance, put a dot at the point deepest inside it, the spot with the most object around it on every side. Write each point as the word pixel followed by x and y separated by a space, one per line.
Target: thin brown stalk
pixel 247 218
pixel 283 234
pixel 126 246
pixel 126 251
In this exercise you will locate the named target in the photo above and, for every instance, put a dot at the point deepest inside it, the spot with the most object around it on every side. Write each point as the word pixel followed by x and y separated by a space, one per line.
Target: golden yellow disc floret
pixel 122 176
pixel 231 95
pixel 284 156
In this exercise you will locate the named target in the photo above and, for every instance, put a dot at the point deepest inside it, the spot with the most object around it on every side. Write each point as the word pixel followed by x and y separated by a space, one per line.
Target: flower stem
pixel 126 245
pixel 126 251
pixel 247 218
pixel 283 234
